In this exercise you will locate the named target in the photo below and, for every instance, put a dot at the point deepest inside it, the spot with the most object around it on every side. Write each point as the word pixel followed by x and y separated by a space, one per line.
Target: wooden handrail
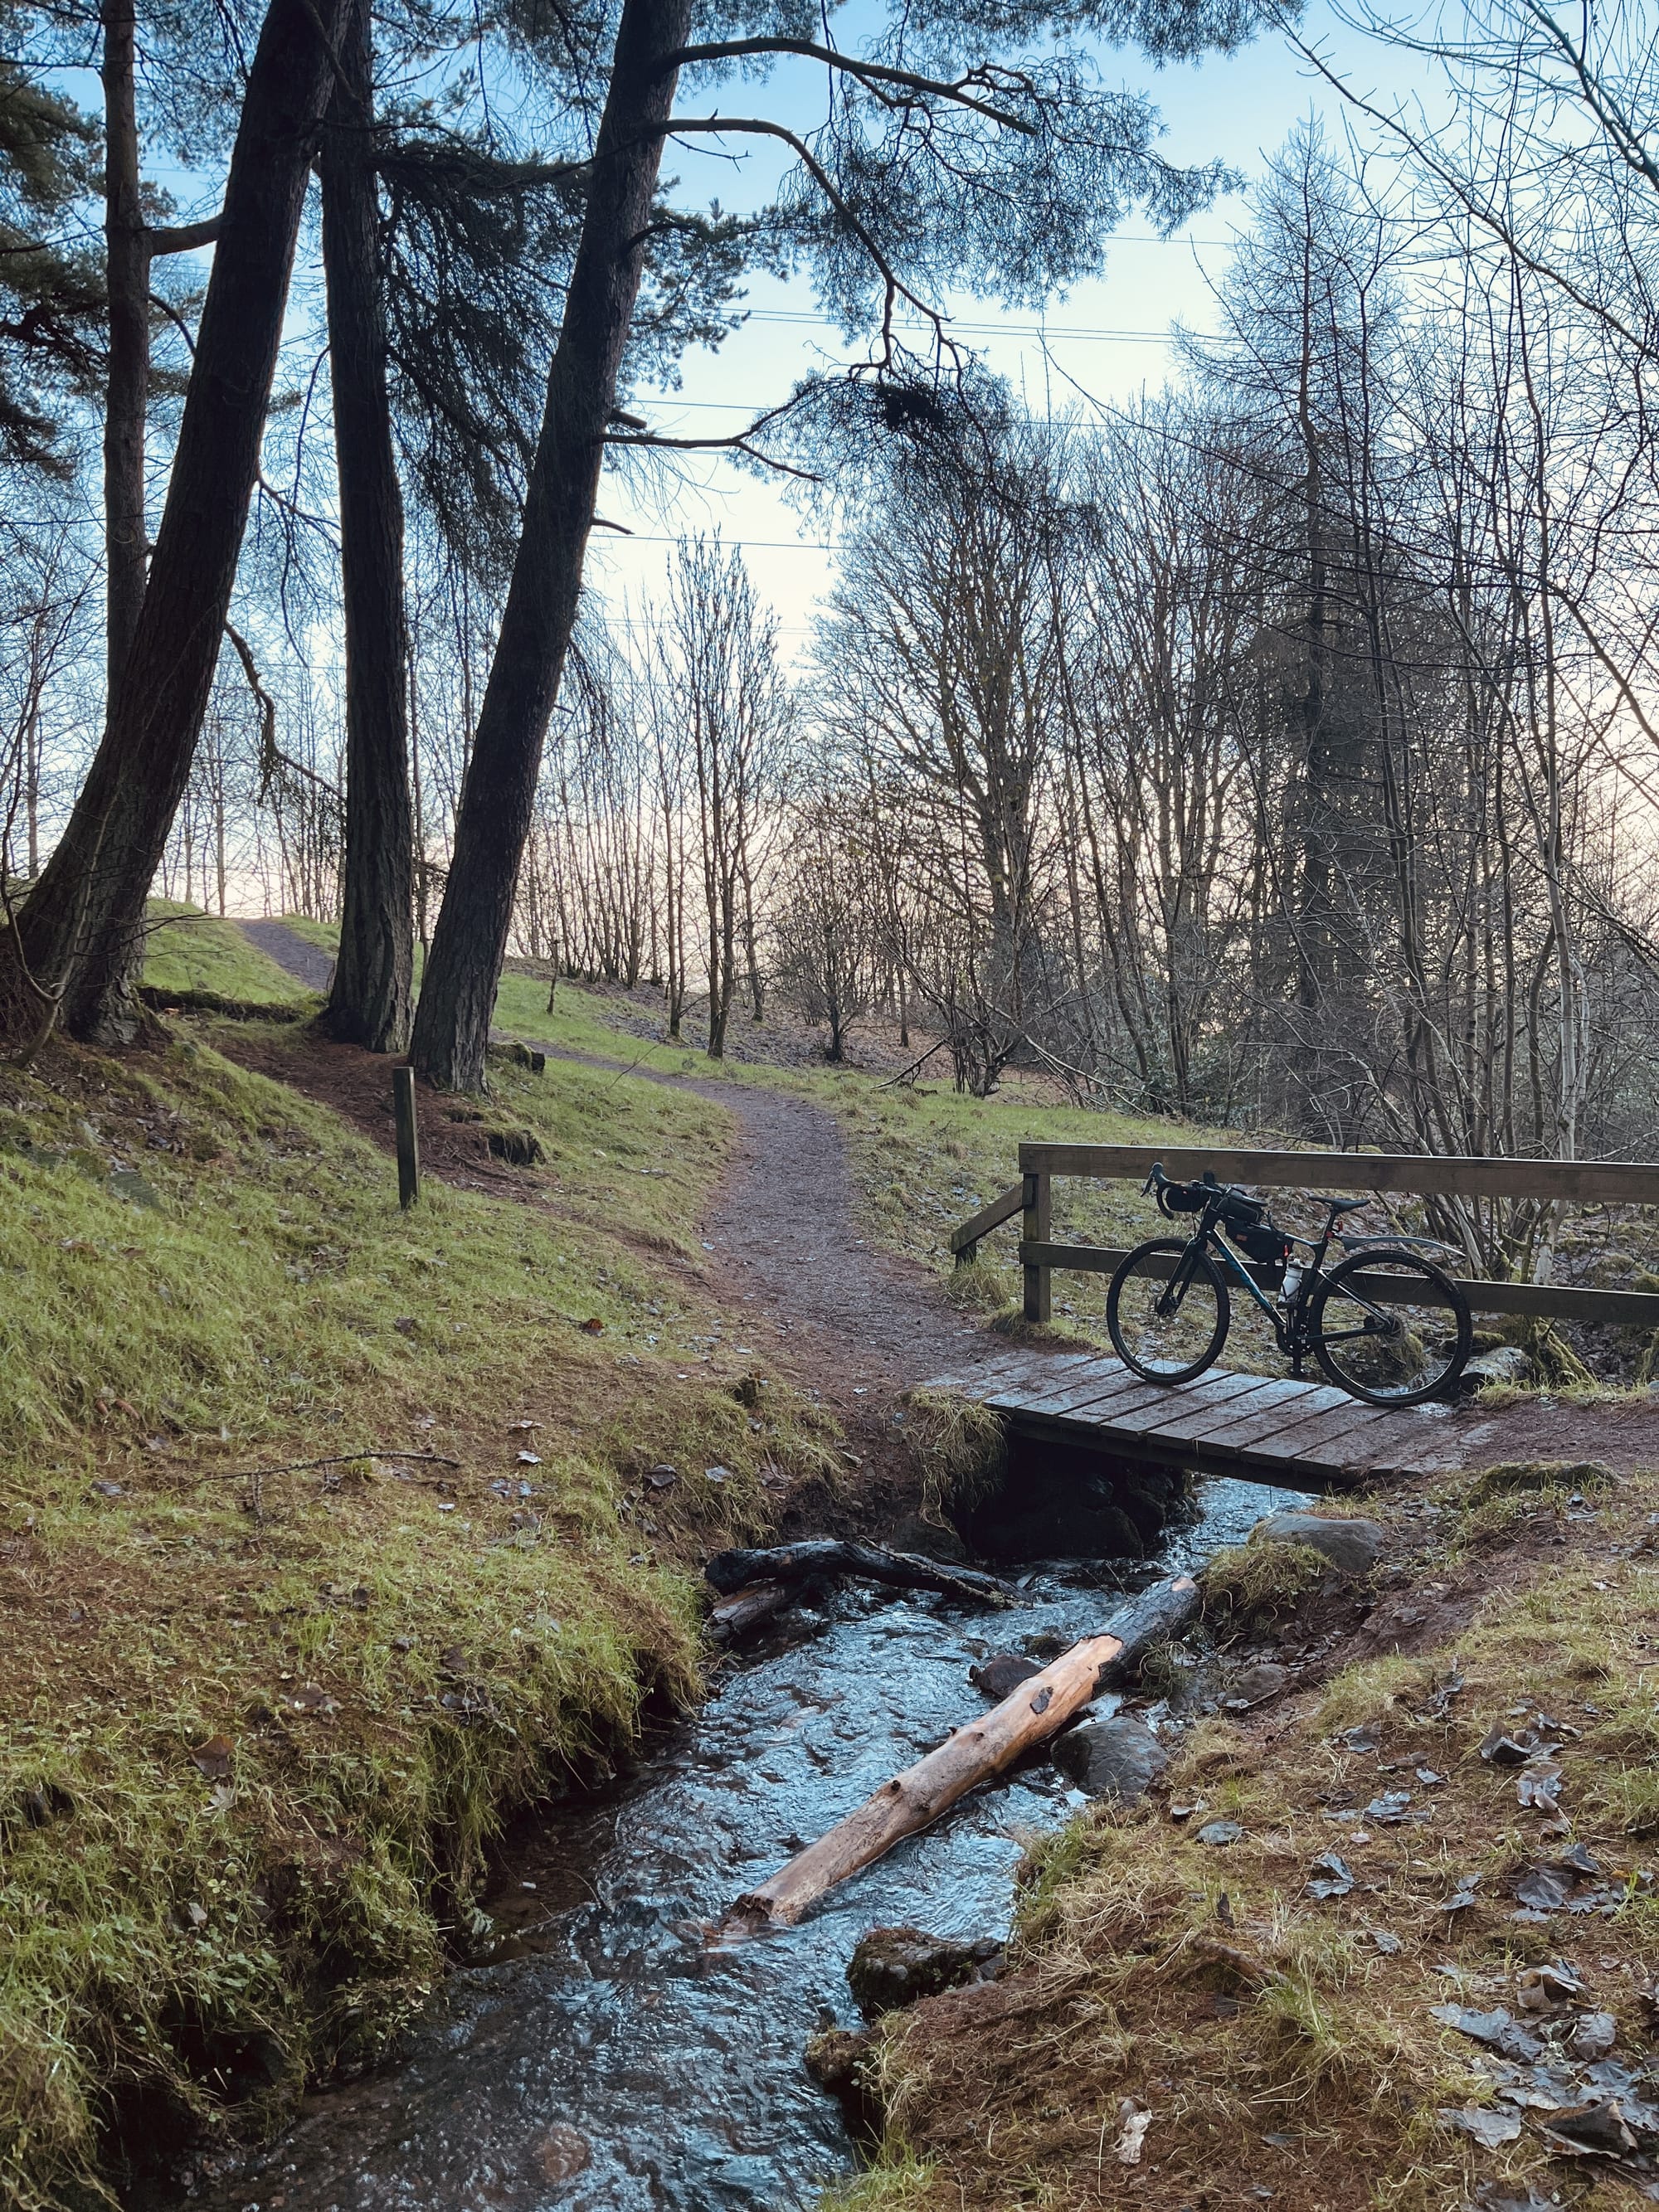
pixel 988 1217
pixel 1420 1174
pixel 1556 1301
pixel 1617 1183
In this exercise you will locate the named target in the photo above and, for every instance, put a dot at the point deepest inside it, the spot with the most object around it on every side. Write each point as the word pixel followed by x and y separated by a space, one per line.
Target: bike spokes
pixel 1168 1316
pixel 1390 1328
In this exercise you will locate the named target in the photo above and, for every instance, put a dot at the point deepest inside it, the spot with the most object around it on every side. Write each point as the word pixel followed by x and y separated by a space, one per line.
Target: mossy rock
pixel 1522 1474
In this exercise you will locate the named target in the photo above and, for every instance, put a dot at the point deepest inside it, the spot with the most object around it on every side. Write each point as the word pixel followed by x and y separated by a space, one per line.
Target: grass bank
pixel 1347 1956
pixel 322 1547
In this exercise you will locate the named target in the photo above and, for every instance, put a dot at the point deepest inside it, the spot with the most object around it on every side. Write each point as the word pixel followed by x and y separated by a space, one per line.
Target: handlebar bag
pixel 1183 1198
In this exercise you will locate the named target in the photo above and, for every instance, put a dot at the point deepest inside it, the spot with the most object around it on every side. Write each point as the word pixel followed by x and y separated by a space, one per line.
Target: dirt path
pixel 313 967
pixel 847 1320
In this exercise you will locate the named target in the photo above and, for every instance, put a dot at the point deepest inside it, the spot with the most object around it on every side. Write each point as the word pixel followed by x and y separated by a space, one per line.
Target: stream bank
pixel 624 2059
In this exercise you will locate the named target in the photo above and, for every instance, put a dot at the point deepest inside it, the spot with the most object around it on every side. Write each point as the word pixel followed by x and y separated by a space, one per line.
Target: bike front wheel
pixel 1167 1310
pixel 1390 1328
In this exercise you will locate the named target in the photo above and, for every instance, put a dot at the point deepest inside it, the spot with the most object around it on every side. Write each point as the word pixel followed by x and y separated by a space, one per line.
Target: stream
pixel 622 2062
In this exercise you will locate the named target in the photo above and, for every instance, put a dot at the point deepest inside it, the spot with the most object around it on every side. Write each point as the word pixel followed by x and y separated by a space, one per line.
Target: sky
pixel 1109 337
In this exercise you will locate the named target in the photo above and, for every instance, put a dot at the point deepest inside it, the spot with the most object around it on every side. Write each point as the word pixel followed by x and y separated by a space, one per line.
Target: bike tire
pixel 1443 1304
pixel 1134 1270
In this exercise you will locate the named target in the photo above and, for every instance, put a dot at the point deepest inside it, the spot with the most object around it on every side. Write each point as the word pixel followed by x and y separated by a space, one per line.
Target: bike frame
pixel 1290 1321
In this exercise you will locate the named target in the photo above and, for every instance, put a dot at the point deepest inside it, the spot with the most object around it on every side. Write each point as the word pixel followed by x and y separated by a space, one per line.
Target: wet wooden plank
pixel 1192 1410
pixel 1089 1384
pixel 1007 1369
pixel 1272 1395
pixel 1319 1407
pixel 1099 1402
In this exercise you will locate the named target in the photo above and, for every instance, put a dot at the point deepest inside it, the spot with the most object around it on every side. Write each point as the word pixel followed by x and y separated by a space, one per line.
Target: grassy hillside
pixel 255 1728
pixel 189 950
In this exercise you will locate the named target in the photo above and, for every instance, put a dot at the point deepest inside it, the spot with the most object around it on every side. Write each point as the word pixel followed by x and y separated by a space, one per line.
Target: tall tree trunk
pixel 451 1026
pixel 79 940
pixel 127 389
pixel 371 1001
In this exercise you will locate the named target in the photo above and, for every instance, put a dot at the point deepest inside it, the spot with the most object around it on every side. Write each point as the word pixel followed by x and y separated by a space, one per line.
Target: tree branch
pixel 854 65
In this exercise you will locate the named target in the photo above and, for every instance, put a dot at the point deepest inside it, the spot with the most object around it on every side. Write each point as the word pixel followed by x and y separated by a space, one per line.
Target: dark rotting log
pixel 746 1608
pixel 914 1800
pixel 830 1558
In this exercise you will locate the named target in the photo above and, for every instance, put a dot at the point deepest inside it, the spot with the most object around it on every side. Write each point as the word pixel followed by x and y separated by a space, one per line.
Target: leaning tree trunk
pixel 127 382
pixel 78 941
pixel 371 1001
pixel 457 992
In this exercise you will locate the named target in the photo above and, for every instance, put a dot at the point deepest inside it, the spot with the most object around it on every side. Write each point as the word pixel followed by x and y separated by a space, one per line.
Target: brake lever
pixel 1153 1180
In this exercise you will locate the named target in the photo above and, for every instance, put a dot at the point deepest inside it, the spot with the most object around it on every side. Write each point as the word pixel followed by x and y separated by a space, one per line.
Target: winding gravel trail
pixel 782 1233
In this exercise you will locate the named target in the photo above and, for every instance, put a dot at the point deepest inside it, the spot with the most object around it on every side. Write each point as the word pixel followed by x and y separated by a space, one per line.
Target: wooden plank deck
pixel 1259 1428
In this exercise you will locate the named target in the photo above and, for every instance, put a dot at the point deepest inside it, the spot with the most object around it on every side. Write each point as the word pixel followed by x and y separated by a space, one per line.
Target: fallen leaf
pixel 1496 2029
pixel 1217 1833
pixel 521 1428
pixel 1501 1748
pixel 1366 1736
pixel 1390 1945
pixel 663 1477
pixel 1589 2130
pixel 1536 1786
pixel 592 1327
pixel 213 1757
pixel 1541 1987
pixel 1483 2121
pixel 529 1459
pixel 312 1697
pixel 1543 1889
pixel 1331 1876
pixel 1391 1808
pixel 1594 2035
pixel 1134 2123
pixel 717 1475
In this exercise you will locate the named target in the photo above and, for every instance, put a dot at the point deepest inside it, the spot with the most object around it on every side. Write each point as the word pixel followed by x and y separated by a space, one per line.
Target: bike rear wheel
pixel 1390 1328
pixel 1166 1329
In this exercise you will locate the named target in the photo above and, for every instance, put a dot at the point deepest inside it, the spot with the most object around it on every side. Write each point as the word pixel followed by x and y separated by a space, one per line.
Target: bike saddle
pixel 1343 1205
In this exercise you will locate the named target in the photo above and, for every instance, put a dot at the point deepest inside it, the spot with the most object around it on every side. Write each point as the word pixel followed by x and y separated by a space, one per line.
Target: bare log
pixel 914 1800
pixel 746 1608
pixel 827 1558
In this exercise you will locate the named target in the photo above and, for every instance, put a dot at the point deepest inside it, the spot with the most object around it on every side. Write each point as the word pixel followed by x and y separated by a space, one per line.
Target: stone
pixel 891 1967
pixel 1116 1759
pixel 934 1540
pixel 1000 1675
pixel 1352 1546
pixel 1506 1363
pixel 1254 1686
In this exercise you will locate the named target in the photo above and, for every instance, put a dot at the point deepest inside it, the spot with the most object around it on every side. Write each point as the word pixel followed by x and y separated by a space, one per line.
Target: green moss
pixel 189 950
pixel 394 1650
pixel 1248 1585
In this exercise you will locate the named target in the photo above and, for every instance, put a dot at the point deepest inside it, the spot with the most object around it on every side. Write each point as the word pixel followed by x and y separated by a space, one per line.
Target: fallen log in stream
pixel 914 1800
pixel 832 1559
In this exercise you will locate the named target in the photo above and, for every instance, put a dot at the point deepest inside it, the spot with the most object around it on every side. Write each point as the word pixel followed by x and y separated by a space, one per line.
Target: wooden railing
pixel 1418 1175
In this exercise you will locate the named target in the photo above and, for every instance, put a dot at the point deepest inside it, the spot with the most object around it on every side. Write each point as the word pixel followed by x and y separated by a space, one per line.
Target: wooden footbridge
pixel 1259 1428
pixel 1267 1428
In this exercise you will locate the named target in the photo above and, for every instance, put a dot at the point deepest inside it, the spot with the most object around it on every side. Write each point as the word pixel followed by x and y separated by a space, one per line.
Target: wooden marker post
pixel 408 1137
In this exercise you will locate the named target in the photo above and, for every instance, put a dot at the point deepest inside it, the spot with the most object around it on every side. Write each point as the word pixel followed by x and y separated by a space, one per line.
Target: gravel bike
pixel 1384 1324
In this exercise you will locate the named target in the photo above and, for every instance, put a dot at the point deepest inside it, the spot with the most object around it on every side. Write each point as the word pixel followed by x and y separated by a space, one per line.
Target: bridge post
pixel 1034 1230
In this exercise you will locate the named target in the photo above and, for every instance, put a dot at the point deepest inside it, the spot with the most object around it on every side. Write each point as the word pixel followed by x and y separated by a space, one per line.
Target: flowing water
pixel 623 2062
